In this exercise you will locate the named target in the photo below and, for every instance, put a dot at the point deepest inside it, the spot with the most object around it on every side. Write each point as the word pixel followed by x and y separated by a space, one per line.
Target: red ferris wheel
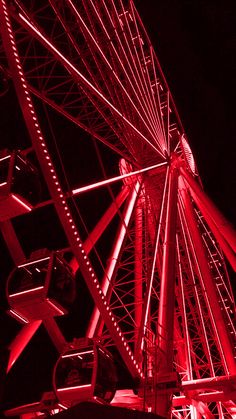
pixel 105 185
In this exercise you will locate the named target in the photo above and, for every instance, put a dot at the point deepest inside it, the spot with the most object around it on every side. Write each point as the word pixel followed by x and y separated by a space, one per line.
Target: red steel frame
pixel 164 299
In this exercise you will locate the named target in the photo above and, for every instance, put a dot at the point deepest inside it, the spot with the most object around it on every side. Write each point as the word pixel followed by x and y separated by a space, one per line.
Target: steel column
pixel 21 340
pixel 112 266
pixel 225 246
pixel 165 330
pixel 149 286
pixel 186 356
pixel 138 273
pixel 223 341
pixel 207 206
pixel 102 225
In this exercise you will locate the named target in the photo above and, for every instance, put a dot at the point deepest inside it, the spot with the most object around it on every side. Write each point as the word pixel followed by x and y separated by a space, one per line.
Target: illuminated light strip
pixel 18 316
pixel 62 406
pixel 72 68
pixel 115 179
pixel 3 183
pixel 4 158
pixel 21 202
pixel 188 154
pixel 152 131
pixel 74 388
pixel 55 306
pixel 77 353
pixel 26 292
pixel 35 261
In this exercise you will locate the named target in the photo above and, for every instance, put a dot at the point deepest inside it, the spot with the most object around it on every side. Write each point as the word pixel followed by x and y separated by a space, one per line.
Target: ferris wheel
pixel 104 189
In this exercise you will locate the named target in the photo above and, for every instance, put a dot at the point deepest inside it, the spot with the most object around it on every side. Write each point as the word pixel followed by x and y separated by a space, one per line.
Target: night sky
pixel 195 41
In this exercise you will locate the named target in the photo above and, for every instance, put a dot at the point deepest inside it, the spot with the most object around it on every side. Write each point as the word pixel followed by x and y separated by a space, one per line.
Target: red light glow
pixel 115 179
pixel 18 316
pixel 21 202
pixel 74 388
pixel 26 291
pixel 77 354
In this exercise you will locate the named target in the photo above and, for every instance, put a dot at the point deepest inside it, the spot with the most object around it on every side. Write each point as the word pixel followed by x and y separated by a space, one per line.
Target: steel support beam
pixel 149 285
pixel 165 330
pixel 218 323
pixel 138 268
pixel 102 225
pixel 225 246
pixel 17 346
pixel 210 210
pixel 115 257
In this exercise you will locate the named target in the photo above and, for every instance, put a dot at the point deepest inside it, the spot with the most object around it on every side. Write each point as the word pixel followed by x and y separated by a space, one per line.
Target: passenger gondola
pixel 19 185
pixel 40 288
pixel 85 371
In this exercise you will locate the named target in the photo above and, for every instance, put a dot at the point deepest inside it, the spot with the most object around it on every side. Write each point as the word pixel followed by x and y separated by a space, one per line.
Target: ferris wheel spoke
pixel 225 352
pixel 102 224
pixel 108 278
pixel 117 178
pixel 146 67
pixel 157 83
pixel 105 84
pixel 150 288
pixel 118 63
pixel 200 350
pixel 157 101
pixel 102 60
pixel 59 9
pixel 133 55
pixel 109 138
pixel 132 43
pixel 88 86
pixel 115 60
